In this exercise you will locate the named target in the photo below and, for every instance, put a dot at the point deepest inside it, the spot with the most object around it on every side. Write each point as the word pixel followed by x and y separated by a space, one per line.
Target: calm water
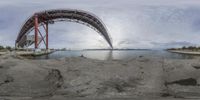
pixel 106 54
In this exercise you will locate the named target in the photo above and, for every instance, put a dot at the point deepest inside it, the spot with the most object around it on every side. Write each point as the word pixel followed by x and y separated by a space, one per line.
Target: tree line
pixel 193 48
pixel 2 48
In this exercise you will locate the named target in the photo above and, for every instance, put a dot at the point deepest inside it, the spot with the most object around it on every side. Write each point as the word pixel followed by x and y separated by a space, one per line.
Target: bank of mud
pixel 88 78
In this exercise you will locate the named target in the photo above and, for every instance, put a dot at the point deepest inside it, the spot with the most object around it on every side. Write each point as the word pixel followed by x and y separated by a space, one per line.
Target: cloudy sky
pixel 130 23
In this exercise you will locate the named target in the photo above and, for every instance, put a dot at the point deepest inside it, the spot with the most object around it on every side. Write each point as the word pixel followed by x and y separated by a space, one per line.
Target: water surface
pixel 116 54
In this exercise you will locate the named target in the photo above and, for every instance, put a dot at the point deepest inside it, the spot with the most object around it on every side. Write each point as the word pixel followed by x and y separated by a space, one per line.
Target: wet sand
pixel 81 78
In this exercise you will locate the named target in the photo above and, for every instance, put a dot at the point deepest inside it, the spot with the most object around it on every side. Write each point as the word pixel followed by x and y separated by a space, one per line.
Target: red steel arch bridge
pixel 44 18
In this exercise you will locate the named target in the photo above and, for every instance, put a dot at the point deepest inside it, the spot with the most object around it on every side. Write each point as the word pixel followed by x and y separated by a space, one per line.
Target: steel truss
pixel 47 17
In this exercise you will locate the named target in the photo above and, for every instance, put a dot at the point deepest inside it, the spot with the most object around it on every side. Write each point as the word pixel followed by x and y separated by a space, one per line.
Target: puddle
pixel 165 95
pixel 196 67
pixel 1 67
pixel 185 82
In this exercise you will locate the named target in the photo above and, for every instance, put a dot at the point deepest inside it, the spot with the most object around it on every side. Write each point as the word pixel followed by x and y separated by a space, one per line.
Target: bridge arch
pixel 44 18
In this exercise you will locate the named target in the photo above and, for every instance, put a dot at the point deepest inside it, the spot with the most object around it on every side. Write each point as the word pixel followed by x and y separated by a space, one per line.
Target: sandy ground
pixel 81 78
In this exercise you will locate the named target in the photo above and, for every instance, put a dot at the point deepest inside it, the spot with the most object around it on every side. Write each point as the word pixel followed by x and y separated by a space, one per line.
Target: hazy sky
pixel 130 23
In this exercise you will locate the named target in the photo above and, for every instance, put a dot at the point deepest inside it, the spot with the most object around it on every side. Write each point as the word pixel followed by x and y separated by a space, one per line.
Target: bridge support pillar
pixel 36 30
pixel 47 36
pixel 38 40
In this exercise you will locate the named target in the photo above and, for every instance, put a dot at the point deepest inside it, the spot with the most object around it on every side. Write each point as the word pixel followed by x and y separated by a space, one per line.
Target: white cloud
pixel 140 23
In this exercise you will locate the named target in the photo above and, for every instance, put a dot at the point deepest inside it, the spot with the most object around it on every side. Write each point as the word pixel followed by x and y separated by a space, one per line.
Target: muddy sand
pixel 81 78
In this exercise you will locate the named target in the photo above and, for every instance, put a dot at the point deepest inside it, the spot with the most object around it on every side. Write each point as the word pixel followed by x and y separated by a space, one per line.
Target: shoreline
pixel 184 52
pixel 2 53
pixel 27 53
